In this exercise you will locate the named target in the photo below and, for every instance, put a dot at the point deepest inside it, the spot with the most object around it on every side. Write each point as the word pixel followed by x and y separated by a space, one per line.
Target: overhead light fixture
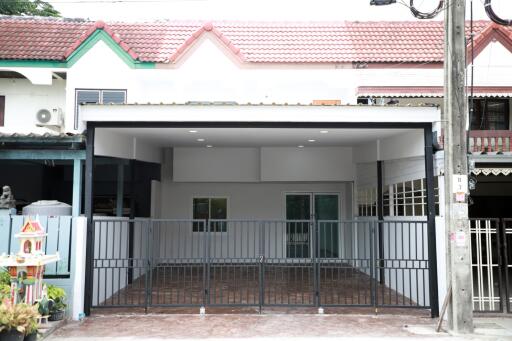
pixel 324 131
pixel 311 140
pixel 192 131
pixel 300 146
pixel 209 146
pixel 382 2
pixel 200 140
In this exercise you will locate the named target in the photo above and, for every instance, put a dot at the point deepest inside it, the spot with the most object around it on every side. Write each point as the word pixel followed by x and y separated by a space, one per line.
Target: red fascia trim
pixel 101 25
pixel 207 27
pixel 378 90
pixel 400 65
pixel 490 33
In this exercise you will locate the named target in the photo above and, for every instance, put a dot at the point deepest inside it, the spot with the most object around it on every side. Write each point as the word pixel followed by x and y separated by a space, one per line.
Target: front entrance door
pixel 301 209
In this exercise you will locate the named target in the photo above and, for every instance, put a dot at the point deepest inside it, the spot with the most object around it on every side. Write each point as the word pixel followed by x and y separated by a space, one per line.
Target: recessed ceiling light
pixel 200 140
pixel 311 140
pixel 324 131
pixel 209 146
pixel 301 146
pixel 192 131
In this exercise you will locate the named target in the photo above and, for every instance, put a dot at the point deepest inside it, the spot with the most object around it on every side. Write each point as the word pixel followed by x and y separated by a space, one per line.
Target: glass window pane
pixel 298 207
pixel 200 211
pixel 218 208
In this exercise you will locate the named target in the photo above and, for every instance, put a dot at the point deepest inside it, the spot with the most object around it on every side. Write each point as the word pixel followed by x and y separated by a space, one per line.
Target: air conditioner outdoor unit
pixel 50 118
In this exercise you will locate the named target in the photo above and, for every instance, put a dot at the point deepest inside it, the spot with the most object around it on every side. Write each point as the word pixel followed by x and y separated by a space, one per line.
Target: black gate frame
pixel 429 171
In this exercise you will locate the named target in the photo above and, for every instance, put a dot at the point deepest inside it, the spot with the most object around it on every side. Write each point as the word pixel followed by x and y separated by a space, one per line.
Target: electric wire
pixel 426 15
pixel 493 16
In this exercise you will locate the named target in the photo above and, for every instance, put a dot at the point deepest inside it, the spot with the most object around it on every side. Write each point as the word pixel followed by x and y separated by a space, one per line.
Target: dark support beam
pixel 431 223
pixel 131 230
pixel 89 187
pixel 277 125
pixel 380 217
pixel 41 154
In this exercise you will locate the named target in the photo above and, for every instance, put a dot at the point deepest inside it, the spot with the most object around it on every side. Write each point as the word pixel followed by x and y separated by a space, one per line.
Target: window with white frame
pixel 213 211
pixel 98 96
pixel 367 202
pixel 408 198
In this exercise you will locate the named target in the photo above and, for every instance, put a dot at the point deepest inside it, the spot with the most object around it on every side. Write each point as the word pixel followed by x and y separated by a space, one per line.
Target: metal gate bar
pixel 507 262
pixel 187 263
pixel 486 264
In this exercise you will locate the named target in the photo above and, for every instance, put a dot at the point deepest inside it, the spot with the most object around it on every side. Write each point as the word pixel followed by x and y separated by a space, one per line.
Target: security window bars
pixel 367 202
pixel 211 210
pixel 408 198
pixel 98 96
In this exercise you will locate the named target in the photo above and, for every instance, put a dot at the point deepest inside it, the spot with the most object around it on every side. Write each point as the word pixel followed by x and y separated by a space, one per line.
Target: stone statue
pixel 7 199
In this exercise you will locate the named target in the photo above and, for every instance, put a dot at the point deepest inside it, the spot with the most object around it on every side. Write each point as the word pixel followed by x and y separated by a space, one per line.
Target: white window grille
pixel 367 202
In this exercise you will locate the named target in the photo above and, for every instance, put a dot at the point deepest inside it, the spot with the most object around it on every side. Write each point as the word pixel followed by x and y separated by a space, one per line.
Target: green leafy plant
pixel 58 296
pixel 20 317
pixel 5 285
pixel 5 278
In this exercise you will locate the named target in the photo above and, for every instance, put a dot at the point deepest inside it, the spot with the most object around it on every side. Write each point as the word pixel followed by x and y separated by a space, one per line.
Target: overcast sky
pixel 289 10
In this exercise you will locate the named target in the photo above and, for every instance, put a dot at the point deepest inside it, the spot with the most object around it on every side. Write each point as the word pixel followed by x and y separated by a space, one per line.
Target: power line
pixel 494 17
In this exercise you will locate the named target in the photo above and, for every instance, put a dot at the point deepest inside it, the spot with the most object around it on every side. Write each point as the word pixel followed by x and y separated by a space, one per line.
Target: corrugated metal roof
pixel 46 138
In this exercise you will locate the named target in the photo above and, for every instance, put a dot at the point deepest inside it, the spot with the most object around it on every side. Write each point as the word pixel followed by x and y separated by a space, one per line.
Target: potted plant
pixel 58 307
pixel 17 321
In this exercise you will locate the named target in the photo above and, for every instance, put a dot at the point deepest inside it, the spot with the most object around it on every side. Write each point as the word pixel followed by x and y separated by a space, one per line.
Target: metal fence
pixel 59 230
pixel 491 264
pixel 155 263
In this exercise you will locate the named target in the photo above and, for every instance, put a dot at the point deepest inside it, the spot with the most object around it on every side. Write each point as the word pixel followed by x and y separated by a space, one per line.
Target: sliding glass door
pixel 302 209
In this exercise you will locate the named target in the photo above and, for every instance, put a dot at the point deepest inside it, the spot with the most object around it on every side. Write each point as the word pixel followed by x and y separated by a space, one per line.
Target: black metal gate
pixel 165 263
pixel 491 260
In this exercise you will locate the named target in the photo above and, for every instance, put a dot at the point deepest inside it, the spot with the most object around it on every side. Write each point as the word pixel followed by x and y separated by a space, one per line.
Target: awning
pixel 429 91
pixel 492 171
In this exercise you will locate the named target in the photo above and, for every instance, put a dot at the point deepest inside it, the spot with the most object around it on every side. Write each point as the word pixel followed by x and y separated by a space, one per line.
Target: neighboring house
pixel 266 182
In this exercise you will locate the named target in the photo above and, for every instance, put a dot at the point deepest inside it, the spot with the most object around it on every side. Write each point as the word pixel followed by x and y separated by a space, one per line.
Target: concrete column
pixel 77 187
pixel 78 267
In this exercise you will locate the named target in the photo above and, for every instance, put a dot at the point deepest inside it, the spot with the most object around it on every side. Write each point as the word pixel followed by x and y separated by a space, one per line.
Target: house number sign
pixel 460 187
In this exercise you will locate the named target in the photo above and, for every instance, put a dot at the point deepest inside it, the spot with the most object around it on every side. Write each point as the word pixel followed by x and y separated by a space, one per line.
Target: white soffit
pixel 254 137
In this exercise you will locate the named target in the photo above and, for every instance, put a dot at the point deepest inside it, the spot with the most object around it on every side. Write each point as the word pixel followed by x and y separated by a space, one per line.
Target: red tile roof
pixel 254 42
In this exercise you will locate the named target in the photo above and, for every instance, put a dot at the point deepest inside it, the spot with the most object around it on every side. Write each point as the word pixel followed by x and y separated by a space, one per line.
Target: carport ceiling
pixel 254 137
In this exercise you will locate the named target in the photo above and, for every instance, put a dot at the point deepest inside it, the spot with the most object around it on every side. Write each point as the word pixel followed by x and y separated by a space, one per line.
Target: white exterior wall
pixel 24 99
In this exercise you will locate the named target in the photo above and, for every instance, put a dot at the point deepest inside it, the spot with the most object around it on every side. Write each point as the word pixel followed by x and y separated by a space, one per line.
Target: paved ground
pixel 293 327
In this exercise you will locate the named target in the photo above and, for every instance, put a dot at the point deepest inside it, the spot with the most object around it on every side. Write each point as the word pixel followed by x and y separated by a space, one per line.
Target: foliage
pixel 5 285
pixel 21 317
pixel 58 296
pixel 28 7
pixel 5 278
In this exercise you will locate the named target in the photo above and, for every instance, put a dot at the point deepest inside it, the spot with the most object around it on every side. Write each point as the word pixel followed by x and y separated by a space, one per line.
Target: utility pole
pixel 460 313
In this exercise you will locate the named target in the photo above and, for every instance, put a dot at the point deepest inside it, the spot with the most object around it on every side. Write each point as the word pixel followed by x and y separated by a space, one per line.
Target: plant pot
pixel 11 335
pixel 30 337
pixel 56 315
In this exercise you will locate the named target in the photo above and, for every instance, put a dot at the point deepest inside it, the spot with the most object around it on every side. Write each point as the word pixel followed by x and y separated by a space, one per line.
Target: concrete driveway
pixel 294 327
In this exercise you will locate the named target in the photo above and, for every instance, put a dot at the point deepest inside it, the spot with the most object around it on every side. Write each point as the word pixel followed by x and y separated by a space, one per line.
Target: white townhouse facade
pixel 244 163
